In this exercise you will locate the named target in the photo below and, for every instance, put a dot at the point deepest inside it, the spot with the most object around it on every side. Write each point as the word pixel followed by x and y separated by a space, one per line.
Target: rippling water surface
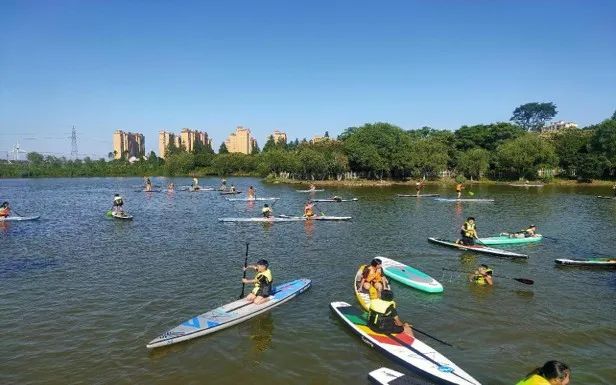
pixel 81 295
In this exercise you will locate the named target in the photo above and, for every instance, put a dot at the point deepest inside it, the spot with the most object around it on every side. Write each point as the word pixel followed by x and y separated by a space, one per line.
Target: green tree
pixel 488 136
pixel 35 158
pixel 532 116
pixel 270 144
pixel 255 149
pixel 524 156
pixel 614 115
pixel 571 147
pixel 223 149
pixel 474 162
pixel 592 166
pixel 603 141
pixel 180 164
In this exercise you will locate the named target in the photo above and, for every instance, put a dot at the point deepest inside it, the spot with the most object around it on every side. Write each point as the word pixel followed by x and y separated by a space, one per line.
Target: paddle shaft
pixel 521 280
pixel 434 338
pixel 245 266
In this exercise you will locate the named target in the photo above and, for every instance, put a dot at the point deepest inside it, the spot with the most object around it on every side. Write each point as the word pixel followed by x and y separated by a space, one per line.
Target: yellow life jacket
pixel 469 229
pixel 374 275
pixel 480 280
pixel 380 314
pixel 266 211
pixel 264 278
pixel 308 212
pixel 534 379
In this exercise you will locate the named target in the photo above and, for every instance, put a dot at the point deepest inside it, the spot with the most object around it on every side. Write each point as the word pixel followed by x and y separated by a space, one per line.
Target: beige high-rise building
pixel 279 136
pixel 241 141
pixel 164 139
pixel 185 140
pixel 128 144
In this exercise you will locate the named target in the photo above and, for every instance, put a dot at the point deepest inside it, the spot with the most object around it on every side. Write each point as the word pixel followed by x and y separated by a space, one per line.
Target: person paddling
pixel 232 188
pixel 459 188
pixel 170 187
pixel 482 276
pixel 468 232
pixel 336 198
pixel 551 373
pixel 148 184
pixel 251 193
pixel 614 188
pixel 383 316
pixel 118 204
pixel 418 187
pixel 262 280
pixel 373 278
pixel 267 211
pixel 309 209
pixel 195 183
pixel 312 187
pixel 5 210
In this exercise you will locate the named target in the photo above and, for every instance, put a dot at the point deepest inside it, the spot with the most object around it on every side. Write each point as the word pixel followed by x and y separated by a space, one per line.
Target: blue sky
pixel 302 67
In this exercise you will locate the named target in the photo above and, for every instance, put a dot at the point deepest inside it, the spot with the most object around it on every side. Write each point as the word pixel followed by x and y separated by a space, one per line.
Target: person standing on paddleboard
pixel 148 184
pixel 551 373
pixel 459 188
pixel 251 193
pixel 5 210
pixel 383 316
pixel 468 232
pixel 418 187
pixel 117 204
pixel 263 282
pixel 482 276
pixel 195 183
pixel 614 188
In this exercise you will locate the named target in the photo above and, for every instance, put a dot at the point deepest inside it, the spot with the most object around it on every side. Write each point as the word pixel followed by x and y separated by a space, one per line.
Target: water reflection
pixel 262 329
pixel 309 229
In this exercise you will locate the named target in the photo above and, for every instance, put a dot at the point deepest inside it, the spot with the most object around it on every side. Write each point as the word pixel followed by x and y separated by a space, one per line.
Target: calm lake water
pixel 81 295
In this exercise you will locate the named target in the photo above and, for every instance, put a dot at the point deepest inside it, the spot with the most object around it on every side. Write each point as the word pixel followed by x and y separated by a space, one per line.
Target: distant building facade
pixel 559 125
pixel 279 136
pixel 128 144
pixel 318 138
pixel 241 141
pixel 186 140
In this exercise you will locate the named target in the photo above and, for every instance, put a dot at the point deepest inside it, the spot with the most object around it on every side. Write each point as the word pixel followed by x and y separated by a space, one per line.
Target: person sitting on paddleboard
pixel 459 188
pixel 117 204
pixel 482 276
pixel 551 373
pixel 5 210
pixel 263 282
pixel 267 211
pixel 383 316
pixel 232 188
pixel 468 232
pixel 309 209
pixel 337 198
pixel 148 184
pixel 251 193
pixel 373 278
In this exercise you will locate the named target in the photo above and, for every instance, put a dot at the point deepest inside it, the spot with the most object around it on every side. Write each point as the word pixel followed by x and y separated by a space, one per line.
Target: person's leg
pixel 259 300
pixel 250 297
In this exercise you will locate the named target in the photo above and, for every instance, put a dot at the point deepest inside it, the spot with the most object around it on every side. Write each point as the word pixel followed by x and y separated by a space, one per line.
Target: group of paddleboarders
pixel 5 209
pixel 383 316
pixel 263 282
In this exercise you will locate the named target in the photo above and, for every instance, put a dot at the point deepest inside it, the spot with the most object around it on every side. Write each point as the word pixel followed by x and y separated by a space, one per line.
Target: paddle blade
pixel 525 281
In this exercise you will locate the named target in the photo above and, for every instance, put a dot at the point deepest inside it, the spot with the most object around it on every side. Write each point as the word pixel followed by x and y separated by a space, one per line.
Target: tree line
pixel 498 151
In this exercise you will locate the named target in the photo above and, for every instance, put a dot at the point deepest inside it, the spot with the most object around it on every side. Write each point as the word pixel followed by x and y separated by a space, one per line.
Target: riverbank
pixel 438 182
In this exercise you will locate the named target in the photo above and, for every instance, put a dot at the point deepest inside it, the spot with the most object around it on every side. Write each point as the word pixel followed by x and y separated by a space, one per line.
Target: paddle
pixel 525 281
pixel 430 336
pixel 245 266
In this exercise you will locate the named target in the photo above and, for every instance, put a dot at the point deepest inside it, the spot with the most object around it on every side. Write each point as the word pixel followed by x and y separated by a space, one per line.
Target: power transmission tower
pixel 74 143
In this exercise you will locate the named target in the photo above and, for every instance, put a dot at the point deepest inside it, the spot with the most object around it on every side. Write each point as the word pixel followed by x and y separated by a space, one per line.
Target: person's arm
pixel 488 279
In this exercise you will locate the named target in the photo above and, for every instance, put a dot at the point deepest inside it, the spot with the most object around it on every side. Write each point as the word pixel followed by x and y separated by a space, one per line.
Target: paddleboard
pixel 201 189
pixel 18 219
pixel 525 185
pixel 317 218
pixel 283 218
pixel 228 315
pixel 604 197
pixel 230 192
pixel 507 240
pixel 479 249
pixel 250 199
pixel 386 376
pixel 122 216
pixel 309 191
pixel 410 276
pixel 416 196
pixel 335 201
pixel 151 191
pixel 409 351
pixel 463 200
pixel 591 262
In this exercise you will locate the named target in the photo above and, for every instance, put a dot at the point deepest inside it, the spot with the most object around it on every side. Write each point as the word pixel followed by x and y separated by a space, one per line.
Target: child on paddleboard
pixel 263 282
pixel 383 317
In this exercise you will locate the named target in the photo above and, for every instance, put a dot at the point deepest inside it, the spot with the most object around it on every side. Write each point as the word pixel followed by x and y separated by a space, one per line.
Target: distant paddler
pixel 171 187
pixel 267 211
pixel 118 204
pixel 263 282
pixel 148 184
pixel 337 198
pixel 195 184
pixel 309 209
pixel 5 210
pixel 614 188
pixel 459 188
pixel 418 187
pixel 223 185
pixel 232 188
pixel 312 187
pixel 251 193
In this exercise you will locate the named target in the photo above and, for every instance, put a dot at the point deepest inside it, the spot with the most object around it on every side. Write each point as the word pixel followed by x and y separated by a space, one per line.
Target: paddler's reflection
pixel 309 228
pixel 262 329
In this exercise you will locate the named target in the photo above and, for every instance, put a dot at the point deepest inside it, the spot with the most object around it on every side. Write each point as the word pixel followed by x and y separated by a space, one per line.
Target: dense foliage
pixel 375 151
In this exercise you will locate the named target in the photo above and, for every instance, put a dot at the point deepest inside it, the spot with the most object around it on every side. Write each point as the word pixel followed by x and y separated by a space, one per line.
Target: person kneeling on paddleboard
pixel 468 232
pixel 551 373
pixel 383 317
pixel 117 204
pixel 482 276
pixel 5 210
pixel 266 211
pixel 263 282
pixel 373 279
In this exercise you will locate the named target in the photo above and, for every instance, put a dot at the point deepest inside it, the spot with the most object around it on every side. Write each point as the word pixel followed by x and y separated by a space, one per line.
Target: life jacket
pixel 459 187
pixel 373 275
pixel 264 282
pixel 469 229
pixel 380 317
pixel 480 280
pixel 117 201
pixel 266 211
pixel 534 379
